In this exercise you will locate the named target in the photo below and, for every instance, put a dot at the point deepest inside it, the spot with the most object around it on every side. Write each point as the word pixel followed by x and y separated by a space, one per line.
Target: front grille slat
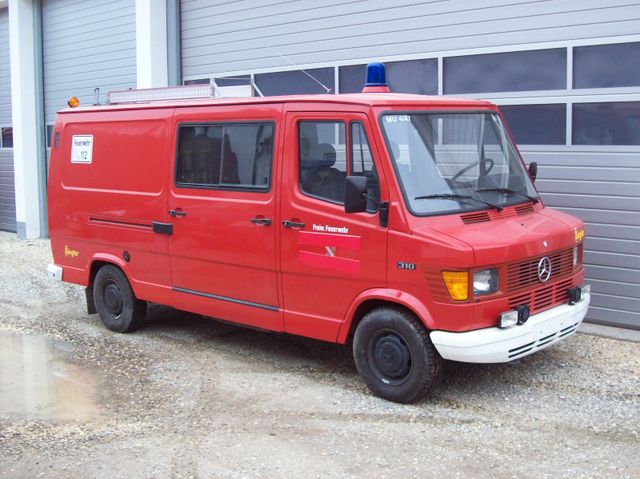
pixel 472 218
pixel 567 333
pixel 524 209
pixel 519 348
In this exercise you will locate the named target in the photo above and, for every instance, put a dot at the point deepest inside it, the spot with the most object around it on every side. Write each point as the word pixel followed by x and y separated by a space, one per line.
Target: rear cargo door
pixel 222 207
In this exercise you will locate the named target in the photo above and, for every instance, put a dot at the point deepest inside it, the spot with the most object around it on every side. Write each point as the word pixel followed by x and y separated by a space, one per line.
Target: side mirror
pixel 533 170
pixel 354 189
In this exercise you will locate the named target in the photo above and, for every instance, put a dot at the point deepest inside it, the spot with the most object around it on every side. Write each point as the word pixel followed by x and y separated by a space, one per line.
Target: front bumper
pixel 495 345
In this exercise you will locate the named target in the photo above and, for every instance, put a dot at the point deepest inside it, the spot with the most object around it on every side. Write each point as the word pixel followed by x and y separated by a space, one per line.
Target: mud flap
pixel 91 306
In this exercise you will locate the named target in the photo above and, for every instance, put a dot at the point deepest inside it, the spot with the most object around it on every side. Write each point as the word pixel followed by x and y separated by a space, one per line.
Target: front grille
pixel 525 273
pixel 542 298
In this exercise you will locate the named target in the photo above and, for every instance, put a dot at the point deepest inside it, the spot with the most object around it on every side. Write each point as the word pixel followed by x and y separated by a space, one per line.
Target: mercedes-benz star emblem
pixel 544 269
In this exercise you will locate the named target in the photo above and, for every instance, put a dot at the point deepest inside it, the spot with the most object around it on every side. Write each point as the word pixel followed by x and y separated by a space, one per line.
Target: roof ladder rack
pixel 183 92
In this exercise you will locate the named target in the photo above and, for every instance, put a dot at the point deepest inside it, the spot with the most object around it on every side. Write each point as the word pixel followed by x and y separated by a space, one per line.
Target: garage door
pixel 7 191
pixel 86 45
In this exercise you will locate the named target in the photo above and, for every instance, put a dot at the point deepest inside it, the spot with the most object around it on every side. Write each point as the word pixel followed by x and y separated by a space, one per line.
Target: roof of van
pixel 367 99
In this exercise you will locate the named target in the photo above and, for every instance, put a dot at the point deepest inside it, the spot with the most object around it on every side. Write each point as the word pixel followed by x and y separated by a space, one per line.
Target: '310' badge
pixel 405 265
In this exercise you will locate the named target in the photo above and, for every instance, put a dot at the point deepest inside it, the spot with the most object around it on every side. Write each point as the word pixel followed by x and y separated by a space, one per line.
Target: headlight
pixel 576 255
pixel 485 282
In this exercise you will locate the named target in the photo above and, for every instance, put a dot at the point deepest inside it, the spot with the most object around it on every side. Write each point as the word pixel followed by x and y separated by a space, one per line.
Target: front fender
pixel 390 296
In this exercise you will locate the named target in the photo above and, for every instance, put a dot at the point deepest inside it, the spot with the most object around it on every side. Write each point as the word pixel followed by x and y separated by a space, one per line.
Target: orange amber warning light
pixel 73 102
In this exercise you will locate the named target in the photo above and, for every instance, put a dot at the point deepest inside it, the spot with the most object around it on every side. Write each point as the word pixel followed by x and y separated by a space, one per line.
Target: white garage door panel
pixel 86 45
pixel 7 191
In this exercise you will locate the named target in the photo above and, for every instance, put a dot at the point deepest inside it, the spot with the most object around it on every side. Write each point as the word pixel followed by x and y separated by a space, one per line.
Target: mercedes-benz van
pixel 405 225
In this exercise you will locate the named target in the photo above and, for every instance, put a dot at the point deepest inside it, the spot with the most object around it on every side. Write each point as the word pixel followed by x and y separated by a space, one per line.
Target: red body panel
pixel 306 280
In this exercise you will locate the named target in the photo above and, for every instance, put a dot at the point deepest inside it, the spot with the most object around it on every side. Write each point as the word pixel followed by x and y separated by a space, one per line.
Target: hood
pixel 508 236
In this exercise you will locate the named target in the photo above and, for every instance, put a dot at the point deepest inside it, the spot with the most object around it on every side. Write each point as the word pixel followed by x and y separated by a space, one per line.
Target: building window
pixel 512 71
pixel 352 78
pixel 199 81
pixel 235 156
pixel 224 81
pixel 412 76
pixel 322 157
pixel 49 135
pixel 7 137
pixel 296 82
pixel 606 66
pixel 537 124
pixel 615 123
pixel 234 81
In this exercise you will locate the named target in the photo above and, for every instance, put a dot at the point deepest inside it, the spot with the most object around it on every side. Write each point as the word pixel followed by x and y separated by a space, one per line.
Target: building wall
pixel 7 188
pixel 248 35
pixel 554 67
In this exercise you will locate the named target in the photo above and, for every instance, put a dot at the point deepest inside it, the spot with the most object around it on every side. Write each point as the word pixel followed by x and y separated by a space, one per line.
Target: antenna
pixel 327 89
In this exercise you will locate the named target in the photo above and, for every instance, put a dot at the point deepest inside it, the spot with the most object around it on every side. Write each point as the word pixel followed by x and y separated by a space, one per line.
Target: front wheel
pixel 119 309
pixel 394 355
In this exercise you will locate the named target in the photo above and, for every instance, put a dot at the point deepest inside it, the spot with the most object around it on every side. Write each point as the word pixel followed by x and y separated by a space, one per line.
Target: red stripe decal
pixel 344 265
pixel 327 239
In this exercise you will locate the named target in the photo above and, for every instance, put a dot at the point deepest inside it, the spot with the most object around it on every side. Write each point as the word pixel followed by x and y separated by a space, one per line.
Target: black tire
pixel 394 355
pixel 119 309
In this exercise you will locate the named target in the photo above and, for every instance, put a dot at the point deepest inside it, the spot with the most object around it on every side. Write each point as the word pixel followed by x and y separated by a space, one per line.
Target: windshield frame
pixel 472 205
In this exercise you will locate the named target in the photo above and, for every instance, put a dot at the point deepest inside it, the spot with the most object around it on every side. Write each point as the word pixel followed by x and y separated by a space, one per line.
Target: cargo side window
pixel 233 156
pixel 322 159
pixel 362 163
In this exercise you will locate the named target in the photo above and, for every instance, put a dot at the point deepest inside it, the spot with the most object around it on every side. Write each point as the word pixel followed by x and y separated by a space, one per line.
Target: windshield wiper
pixel 510 192
pixel 448 196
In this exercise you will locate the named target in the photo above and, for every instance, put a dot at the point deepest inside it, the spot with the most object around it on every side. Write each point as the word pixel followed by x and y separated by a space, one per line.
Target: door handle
pixel 177 213
pixel 261 221
pixel 292 224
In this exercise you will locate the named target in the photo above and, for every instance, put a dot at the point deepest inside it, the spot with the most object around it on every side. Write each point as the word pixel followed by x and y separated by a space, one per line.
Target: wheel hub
pixel 392 356
pixel 113 299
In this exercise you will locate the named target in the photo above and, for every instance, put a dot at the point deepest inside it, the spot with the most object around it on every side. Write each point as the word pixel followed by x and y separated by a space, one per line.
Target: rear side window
pixel 234 156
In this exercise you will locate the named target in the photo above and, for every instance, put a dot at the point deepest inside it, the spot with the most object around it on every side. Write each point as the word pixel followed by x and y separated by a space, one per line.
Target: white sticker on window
pixel 81 148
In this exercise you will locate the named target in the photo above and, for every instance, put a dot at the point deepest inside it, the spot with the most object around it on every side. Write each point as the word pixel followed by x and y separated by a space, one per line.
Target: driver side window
pixel 322 159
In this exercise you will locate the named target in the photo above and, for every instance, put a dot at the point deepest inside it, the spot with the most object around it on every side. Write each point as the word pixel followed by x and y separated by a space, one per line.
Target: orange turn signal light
pixel 73 102
pixel 457 283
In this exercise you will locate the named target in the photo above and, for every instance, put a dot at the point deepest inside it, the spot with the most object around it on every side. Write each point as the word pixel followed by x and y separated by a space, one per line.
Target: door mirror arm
pixel 383 209
pixel 355 198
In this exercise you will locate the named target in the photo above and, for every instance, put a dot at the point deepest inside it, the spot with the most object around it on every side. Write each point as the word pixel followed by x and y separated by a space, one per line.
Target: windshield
pixel 452 162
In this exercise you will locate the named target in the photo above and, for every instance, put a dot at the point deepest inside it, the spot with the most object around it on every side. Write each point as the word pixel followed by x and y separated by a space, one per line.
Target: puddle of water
pixel 36 382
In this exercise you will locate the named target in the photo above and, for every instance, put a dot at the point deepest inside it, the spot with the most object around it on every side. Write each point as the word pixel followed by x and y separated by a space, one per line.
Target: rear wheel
pixel 119 309
pixel 394 355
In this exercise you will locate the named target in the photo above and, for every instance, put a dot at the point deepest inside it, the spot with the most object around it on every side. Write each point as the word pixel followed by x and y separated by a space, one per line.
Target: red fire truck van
pixel 406 225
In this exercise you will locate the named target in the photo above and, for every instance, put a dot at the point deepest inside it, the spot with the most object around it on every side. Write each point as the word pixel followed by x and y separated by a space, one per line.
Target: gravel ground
pixel 187 396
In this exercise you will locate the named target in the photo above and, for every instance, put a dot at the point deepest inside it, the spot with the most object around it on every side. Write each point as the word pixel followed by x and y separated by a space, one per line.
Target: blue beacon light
pixel 376 79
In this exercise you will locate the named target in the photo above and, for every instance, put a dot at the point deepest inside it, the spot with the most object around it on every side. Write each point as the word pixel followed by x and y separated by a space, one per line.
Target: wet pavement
pixel 38 382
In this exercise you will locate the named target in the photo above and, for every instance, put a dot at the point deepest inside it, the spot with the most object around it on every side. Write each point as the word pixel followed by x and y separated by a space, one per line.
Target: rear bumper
pixel 495 345
pixel 54 272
